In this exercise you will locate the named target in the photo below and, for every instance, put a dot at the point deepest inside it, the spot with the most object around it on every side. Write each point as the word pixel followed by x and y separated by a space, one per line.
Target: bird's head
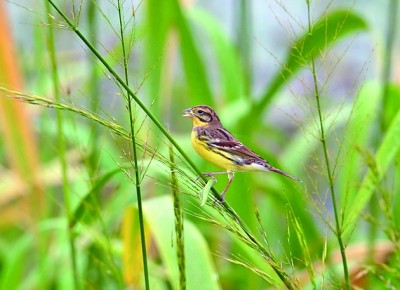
pixel 202 116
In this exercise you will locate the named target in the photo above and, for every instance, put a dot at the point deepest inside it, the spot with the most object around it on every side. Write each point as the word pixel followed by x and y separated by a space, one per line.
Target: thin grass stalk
pixel 134 151
pixel 94 89
pixel 40 101
pixel 286 279
pixel 179 230
pixel 338 226
pixel 61 146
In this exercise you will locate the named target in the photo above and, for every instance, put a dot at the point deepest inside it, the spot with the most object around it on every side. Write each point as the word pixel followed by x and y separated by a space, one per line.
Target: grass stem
pixel 94 84
pixel 134 151
pixel 338 231
pixel 179 232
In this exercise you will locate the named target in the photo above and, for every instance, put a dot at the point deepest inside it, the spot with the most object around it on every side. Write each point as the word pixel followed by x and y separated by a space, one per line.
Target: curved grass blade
pixel 192 62
pixel 230 71
pixel 326 32
pixel 89 202
pixel 384 156
pixel 361 119
pixel 162 19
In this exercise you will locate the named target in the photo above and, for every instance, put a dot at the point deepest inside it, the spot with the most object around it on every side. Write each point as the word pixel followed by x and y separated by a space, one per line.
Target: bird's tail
pixel 273 169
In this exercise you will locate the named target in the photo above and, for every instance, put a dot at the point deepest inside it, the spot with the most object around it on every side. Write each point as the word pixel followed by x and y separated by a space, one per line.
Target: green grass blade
pixel 360 120
pixel 157 24
pixel 162 19
pixel 88 202
pixel 230 71
pixel 326 31
pixel 13 265
pixel 385 154
pixel 391 104
pixel 193 63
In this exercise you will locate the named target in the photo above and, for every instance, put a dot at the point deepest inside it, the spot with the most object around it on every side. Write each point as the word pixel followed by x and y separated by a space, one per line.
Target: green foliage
pixel 123 149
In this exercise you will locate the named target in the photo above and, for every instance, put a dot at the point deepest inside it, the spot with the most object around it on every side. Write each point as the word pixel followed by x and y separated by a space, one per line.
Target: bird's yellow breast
pixel 213 155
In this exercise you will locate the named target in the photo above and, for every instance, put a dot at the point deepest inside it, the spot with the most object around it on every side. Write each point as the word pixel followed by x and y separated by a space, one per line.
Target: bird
pixel 217 145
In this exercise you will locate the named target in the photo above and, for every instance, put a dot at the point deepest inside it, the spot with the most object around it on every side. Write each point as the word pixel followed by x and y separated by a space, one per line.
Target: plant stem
pixel 327 162
pixel 94 88
pixel 61 147
pixel 134 150
pixel 178 213
pixel 331 182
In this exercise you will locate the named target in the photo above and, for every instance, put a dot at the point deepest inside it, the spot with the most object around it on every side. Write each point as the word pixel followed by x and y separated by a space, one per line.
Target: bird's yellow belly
pixel 216 157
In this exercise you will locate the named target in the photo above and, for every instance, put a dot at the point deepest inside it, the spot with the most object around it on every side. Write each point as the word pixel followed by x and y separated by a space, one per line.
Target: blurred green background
pixel 311 86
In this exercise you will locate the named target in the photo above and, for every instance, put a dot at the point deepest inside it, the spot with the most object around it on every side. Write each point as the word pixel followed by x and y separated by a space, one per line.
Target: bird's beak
pixel 188 113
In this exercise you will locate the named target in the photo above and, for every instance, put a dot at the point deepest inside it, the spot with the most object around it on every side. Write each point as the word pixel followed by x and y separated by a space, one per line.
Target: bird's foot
pixel 210 174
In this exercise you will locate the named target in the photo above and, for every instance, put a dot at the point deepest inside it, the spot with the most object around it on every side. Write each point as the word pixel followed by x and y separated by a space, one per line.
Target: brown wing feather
pixel 223 139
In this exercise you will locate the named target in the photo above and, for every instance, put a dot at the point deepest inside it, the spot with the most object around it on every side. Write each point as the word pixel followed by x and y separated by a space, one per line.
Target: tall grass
pixel 122 148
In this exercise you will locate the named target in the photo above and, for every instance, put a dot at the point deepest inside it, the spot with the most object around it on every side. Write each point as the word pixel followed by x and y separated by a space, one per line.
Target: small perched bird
pixel 215 144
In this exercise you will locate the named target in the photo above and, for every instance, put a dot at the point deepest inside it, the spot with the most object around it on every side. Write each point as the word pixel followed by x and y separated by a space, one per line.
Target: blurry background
pixel 68 205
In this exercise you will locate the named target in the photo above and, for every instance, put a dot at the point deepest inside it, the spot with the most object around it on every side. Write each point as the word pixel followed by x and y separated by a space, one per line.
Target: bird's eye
pixel 201 112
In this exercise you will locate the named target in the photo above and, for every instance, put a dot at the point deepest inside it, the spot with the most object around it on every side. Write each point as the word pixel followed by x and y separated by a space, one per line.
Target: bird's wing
pixel 222 139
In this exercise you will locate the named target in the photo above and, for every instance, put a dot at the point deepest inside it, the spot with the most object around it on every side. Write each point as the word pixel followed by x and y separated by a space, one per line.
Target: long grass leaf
pixel 360 120
pixel 88 202
pixel 385 154
pixel 194 65
pixel 231 77
pixel 328 30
